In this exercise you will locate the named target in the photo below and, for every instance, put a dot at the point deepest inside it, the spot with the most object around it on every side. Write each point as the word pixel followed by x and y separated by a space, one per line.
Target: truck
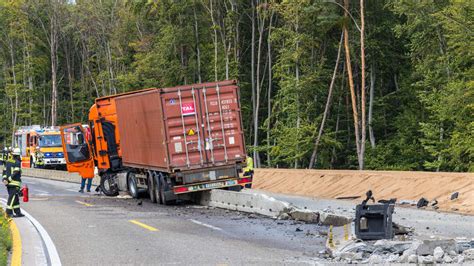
pixel 166 142
pixel 40 147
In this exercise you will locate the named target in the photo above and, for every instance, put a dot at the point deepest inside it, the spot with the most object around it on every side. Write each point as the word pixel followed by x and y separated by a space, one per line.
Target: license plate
pixel 213 185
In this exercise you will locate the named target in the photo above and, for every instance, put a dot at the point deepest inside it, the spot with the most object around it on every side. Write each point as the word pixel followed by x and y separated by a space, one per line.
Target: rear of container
pixel 191 136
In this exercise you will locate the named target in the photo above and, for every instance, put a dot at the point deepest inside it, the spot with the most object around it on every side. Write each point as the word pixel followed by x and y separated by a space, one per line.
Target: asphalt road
pixel 89 229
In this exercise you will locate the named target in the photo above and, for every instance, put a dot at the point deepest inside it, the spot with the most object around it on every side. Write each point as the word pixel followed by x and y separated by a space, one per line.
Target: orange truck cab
pixel 168 142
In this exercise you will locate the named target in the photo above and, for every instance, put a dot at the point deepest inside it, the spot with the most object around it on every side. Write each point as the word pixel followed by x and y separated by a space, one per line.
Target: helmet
pixel 16 151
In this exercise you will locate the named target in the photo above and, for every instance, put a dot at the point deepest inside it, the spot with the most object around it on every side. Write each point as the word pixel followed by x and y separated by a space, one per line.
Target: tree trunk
pixel 269 94
pixel 261 27
pixel 336 130
pixel 351 82
pixel 198 51
pixel 14 105
pixel 254 103
pixel 54 58
pixel 362 87
pixel 214 26
pixel 314 155
pixel 371 107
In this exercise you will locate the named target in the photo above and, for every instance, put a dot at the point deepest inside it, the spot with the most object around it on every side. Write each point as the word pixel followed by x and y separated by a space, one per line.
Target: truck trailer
pixel 168 142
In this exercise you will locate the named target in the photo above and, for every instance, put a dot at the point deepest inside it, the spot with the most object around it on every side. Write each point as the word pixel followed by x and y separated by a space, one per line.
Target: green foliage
pixel 419 52
pixel 5 239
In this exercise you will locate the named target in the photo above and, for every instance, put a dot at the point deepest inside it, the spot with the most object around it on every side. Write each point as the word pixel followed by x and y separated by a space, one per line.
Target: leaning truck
pixel 167 142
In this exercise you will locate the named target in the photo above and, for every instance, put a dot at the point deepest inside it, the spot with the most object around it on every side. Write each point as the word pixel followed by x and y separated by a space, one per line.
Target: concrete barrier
pixel 245 202
pixel 54 175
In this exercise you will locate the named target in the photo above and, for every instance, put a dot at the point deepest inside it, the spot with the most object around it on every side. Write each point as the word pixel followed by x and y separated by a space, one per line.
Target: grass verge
pixel 5 239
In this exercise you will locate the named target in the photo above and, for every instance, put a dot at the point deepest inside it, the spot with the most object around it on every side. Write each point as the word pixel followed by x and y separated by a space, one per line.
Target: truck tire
pixel 151 187
pixel 163 187
pixel 108 185
pixel 132 185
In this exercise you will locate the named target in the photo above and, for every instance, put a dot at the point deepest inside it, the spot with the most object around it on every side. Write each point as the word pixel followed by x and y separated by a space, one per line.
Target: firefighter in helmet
pixel 12 179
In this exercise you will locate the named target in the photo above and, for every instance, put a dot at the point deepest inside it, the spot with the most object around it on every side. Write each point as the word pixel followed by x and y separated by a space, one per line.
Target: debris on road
pixel 422 203
pixel 348 197
pixel 455 195
pixel 374 221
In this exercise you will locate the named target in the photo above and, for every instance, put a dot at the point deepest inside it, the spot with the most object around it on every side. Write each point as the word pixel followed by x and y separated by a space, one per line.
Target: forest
pixel 327 84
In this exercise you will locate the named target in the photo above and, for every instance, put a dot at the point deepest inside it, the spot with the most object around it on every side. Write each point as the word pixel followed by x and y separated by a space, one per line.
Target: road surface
pixel 91 229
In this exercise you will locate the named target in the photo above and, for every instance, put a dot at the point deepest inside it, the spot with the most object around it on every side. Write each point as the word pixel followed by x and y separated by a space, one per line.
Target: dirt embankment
pixel 384 184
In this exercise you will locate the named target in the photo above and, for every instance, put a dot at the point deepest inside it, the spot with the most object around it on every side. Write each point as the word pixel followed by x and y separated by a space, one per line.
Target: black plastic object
pixel 374 221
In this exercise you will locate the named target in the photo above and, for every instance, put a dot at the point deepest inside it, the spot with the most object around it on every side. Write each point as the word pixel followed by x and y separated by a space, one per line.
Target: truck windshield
pixel 50 141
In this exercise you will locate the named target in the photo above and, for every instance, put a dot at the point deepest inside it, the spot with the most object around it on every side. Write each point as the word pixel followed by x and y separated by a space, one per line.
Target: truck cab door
pixel 77 151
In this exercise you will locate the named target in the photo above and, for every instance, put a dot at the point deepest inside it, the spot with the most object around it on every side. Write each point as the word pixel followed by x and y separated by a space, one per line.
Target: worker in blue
pixel 11 177
pixel 248 171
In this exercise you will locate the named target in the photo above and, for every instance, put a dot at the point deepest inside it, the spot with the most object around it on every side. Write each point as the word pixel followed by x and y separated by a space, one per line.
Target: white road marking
pixel 206 225
pixel 48 242
pixel 72 190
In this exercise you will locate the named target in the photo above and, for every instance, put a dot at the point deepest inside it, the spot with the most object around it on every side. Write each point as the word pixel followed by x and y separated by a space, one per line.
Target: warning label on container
pixel 188 109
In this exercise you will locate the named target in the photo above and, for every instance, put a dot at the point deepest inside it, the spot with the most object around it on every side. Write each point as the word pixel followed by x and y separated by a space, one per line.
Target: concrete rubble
pixel 432 251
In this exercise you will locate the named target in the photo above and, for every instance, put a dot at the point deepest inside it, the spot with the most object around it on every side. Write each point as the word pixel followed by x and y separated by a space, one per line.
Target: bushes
pixel 5 239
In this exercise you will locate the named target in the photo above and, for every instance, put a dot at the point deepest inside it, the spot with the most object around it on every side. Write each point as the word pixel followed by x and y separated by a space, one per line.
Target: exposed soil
pixel 384 184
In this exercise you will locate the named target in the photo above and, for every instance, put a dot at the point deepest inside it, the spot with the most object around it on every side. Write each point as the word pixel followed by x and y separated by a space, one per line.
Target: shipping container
pixel 178 140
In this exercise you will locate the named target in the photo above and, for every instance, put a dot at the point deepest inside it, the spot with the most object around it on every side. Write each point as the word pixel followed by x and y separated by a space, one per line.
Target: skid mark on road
pixel 151 228
pixel 206 225
pixel 85 204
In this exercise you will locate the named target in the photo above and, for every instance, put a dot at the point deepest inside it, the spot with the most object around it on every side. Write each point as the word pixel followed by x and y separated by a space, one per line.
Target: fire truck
pixel 40 147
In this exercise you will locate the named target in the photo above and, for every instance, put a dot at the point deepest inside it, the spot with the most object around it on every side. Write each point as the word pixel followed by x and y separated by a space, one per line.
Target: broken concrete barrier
pixel 304 215
pixel 428 246
pixel 326 218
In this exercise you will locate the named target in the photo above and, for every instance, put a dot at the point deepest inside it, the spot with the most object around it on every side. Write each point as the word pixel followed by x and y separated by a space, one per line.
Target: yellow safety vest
pixel 249 163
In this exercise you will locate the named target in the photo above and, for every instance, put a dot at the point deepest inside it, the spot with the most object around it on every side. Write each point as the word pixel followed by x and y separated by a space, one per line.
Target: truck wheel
pixel 163 188
pixel 108 185
pixel 132 185
pixel 151 187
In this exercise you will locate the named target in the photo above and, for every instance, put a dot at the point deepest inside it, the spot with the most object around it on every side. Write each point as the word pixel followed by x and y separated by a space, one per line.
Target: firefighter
pixel 12 180
pixel 248 171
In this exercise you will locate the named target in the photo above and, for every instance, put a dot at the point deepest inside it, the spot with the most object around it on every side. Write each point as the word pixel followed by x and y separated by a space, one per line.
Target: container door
pixel 183 126
pixel 77 150
pixel 222 127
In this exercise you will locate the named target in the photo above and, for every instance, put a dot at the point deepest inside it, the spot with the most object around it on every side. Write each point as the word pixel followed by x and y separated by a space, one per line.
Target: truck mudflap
pixel 211 185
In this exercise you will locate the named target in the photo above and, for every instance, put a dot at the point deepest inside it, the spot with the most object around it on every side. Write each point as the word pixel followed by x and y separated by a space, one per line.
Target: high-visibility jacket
pixel 12 173
pixel 249 163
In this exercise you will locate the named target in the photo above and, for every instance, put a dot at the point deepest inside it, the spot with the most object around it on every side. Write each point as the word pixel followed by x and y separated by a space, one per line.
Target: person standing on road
pixel 12 180
pixel 83 184
pixel 248 171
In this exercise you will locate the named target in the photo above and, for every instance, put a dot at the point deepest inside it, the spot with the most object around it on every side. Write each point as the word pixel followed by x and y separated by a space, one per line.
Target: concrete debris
pixel 326 218
pixel 399 229
pixel 284 216
pixel 375 259
pixel 422 203
pixel 438 254
pixel 348 197
pixel 412 258
pixel 407 202
pixel 447 259
pixel 426 259
pixel 304 215
pixel 455 195
pixel 393 258
pixel 390 201
pixel 460 259
pixel 434 202
pixel 468 254
pixel 397 247
pixel 427 247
